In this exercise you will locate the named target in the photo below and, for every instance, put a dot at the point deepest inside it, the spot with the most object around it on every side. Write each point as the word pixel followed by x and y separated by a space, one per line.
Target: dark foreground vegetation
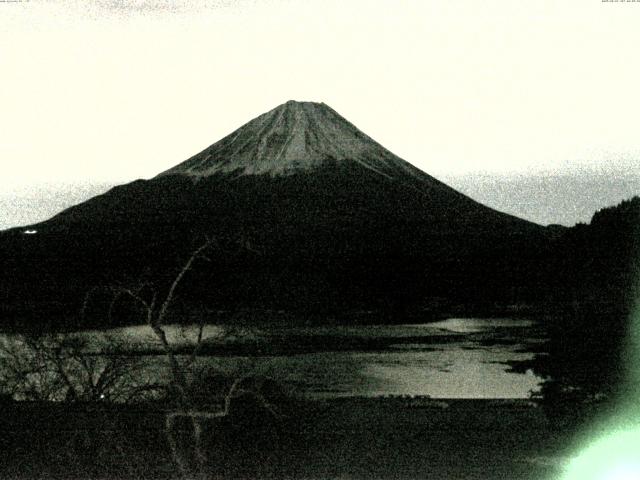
pixel 386 438
pixel 596 306
pixel 585 280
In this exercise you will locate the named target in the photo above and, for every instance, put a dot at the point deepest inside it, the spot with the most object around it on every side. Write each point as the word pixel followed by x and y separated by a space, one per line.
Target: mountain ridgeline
pixel 309 215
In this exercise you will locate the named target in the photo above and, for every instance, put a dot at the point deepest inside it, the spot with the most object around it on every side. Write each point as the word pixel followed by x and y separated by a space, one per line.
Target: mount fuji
pixel 309 214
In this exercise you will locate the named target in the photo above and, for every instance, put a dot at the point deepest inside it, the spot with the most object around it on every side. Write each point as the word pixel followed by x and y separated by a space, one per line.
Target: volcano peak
pixel 293 137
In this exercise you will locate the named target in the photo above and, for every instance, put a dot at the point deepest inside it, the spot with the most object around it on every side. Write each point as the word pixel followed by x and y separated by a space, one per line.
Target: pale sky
pixel 105 92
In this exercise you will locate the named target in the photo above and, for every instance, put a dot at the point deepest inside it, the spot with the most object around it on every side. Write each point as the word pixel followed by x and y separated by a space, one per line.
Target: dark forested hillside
pixel 596 291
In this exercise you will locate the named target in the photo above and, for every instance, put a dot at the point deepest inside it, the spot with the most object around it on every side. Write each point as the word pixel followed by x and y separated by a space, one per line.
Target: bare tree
pixel 92 367
pixel 64 367
pixel 89 370
pixel 154 304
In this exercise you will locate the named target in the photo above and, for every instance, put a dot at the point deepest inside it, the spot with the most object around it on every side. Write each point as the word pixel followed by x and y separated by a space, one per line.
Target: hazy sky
pixel 104 92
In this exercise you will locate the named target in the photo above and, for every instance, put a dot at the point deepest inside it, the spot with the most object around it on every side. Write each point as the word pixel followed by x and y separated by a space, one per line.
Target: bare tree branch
pixel 187 266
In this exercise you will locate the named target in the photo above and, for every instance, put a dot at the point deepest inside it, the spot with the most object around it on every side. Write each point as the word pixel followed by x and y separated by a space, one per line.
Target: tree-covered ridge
pixel 596 286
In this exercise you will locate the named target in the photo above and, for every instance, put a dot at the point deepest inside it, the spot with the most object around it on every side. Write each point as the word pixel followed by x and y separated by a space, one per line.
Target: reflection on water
pixel 454 358
pixel 477 325
pixel 453 373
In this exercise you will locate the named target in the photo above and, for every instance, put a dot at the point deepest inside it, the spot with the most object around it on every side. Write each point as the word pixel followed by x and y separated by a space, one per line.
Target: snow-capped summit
pixel 293 137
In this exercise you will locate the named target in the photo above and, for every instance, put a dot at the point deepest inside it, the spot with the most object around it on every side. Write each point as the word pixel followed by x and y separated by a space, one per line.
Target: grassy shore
pixel 354 438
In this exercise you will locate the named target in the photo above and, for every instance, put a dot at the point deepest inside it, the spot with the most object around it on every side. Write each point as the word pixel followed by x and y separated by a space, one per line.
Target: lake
pixel 453 358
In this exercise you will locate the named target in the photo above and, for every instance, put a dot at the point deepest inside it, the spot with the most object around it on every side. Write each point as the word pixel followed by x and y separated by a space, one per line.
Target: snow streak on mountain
pixel 294 137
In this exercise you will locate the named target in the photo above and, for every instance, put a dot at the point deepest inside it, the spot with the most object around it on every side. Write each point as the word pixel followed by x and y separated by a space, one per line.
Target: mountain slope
pixel 310 213
pixel 294 137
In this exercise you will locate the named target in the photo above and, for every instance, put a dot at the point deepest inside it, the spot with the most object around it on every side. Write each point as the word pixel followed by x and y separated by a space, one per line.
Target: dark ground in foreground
pixel 391 438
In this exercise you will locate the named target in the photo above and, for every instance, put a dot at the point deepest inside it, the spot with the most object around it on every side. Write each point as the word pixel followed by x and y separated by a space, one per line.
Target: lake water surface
pixel 454 358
